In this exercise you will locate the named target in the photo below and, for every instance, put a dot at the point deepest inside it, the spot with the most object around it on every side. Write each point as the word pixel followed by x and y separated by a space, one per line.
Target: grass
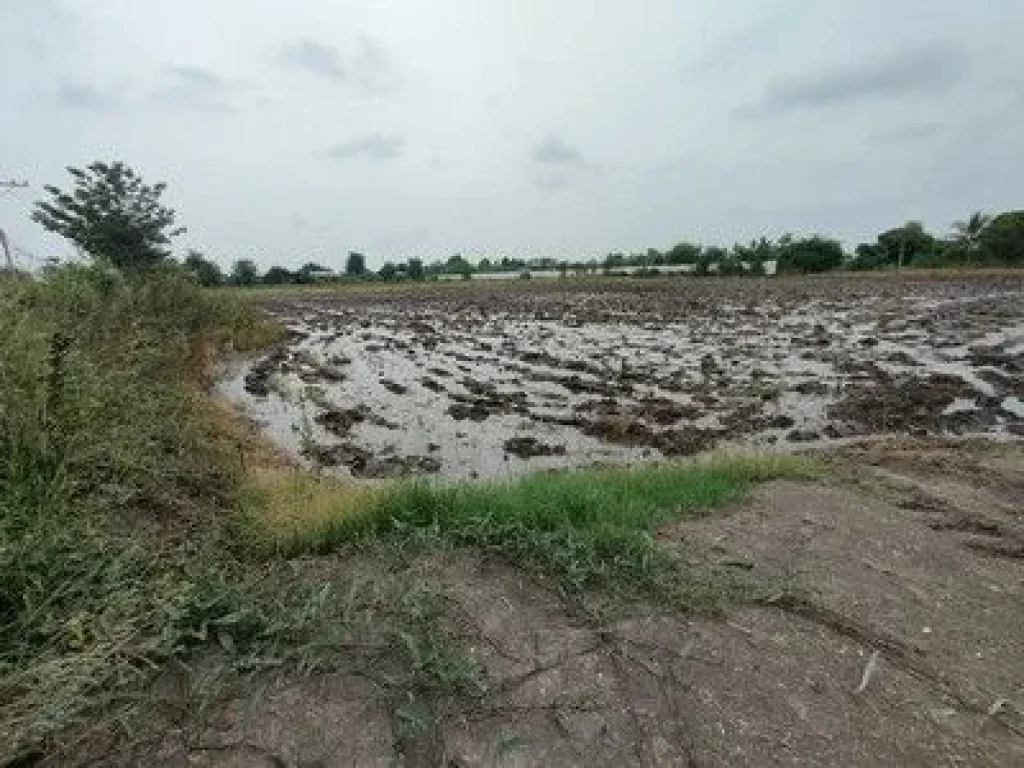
pixel 590 528
pixel 291 511
pixel 113 486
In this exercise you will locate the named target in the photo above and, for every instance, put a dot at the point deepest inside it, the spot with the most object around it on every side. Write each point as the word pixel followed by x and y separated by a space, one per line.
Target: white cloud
pixel 374 147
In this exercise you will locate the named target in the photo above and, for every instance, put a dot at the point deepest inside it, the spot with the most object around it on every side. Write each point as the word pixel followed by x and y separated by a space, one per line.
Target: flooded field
pixel 486 381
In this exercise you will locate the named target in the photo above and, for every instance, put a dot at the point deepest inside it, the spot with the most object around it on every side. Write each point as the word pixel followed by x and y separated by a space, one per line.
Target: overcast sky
pixel 291 131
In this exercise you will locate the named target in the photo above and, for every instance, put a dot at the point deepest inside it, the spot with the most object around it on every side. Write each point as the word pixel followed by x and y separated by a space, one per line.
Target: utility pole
pixel 9 185
pixel 6 247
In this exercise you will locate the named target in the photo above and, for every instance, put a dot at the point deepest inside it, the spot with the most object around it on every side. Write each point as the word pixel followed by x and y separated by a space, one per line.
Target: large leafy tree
pixel 111 214
pixel 684 253
pixel 1003 239
pixel 906 244
pixel 967 235
pixel 809 254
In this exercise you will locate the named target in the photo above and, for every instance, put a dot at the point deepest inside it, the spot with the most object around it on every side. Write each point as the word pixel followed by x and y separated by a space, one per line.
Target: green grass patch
pixel 589 528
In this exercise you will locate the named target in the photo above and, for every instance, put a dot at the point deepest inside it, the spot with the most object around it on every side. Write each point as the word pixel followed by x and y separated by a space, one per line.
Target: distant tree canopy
pixel 1002 241
pixel 810 254
pixel 978 239
pixel 355 266
pixel 684 253
pixel 968 234
pixel 245 272
pixel 457 265
pixel 415 270
pixel 206 272
pixel 278 276
pixel 111 214
pixel 903 245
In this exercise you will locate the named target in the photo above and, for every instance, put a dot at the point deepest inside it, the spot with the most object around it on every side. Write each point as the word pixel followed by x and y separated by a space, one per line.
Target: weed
pixel 592 528
pixel 107 466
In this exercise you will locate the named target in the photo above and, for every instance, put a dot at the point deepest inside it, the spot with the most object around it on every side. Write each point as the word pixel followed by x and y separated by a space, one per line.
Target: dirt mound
pixel 529 447
pixel 912 404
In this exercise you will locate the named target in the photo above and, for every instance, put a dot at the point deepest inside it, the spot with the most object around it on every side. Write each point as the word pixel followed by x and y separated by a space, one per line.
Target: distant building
pixel 321 275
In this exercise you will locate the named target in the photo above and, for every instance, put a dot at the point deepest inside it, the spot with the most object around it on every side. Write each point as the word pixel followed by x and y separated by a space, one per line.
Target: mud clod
pixel 529 447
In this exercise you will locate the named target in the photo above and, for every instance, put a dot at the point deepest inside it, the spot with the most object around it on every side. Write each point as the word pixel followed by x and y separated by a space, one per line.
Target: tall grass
pixel 591 528
pixel 105 463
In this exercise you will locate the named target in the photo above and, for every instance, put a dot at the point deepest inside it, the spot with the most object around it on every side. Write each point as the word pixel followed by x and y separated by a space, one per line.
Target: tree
pixel 388 271
pixel 903 245
pixel 731 265
pixel 763 250
pixel 457 265
pixel 415 269
pixel 206 272
pixel 278 276
pixel 810 254
pixel 967 235
pixel 244 272
pixel 713 255
pixel 869 256
pixel 111 214
pixel 1003 239
pixel 684 253
pixel 356 264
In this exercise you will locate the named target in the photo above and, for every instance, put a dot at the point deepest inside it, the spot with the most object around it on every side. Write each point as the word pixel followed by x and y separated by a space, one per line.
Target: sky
pixel 295 132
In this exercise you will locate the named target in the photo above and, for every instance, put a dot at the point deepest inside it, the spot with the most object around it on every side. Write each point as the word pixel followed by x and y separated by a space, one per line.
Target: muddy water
pixel 493 383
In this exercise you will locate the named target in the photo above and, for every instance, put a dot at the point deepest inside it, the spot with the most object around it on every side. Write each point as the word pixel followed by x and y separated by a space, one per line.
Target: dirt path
pixel 889 633
pixel 925 569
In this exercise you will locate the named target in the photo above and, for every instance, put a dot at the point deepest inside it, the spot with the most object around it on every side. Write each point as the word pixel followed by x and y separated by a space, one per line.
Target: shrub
pixel 104 450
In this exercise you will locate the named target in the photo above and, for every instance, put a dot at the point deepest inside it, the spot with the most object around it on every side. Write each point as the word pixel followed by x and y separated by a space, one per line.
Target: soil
pixel 619 372
pixel 886 631
pixel 528 447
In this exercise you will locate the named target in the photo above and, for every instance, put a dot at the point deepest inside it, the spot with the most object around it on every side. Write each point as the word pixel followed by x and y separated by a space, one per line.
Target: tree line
pixel 111 214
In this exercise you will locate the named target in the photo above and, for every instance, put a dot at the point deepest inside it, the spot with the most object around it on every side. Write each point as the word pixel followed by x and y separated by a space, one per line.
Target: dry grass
pixel 289 509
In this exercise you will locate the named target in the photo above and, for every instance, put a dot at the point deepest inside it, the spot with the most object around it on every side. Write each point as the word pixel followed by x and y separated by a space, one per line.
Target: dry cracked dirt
pixel 888 631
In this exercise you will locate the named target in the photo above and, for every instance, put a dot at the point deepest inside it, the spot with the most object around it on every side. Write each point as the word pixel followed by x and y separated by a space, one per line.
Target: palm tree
pixel 967 234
